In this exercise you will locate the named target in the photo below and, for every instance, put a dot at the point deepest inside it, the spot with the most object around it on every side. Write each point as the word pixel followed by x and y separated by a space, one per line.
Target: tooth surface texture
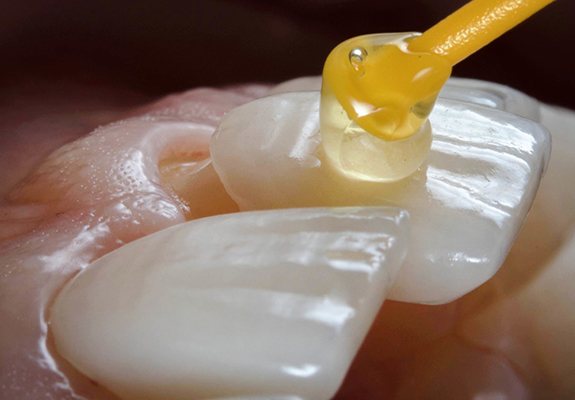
pixel 466 202
pixel 492 95
pixel 269 304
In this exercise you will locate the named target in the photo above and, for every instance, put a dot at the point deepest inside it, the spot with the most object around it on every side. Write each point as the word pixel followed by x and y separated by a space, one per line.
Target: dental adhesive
pixel 378 90
pixel 374 119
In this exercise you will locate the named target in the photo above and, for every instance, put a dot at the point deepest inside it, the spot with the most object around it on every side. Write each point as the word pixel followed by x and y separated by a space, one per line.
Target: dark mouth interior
pixel 159 47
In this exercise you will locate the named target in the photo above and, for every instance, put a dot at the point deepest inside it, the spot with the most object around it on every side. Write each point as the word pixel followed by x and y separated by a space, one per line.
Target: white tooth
pixel 301 84
pixel 466 204
pixel 493 95
pixel 252 305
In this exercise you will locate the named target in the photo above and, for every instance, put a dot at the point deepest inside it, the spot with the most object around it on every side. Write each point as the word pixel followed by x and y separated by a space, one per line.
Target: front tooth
pixel 252 305
pixel 466 204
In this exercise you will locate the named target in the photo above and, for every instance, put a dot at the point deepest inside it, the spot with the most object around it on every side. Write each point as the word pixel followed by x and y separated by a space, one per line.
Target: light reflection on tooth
pixel 305 371
pixel 451 192
pixel 331 313
pixel 247 305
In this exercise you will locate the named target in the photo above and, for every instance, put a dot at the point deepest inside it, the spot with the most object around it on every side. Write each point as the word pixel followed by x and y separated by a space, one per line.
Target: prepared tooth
pixel 267 304
pixel 466 203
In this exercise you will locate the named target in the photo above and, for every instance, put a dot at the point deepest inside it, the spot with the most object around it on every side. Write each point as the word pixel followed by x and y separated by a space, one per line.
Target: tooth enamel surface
pixel 492 95
pixel 466 203
pixel 267 305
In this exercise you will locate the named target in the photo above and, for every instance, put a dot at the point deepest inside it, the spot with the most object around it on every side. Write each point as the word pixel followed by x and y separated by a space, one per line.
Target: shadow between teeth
pixel 271 304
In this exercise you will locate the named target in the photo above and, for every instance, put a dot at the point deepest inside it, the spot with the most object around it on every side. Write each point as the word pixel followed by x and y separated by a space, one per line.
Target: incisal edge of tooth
pixel 466 203
pixel 267 304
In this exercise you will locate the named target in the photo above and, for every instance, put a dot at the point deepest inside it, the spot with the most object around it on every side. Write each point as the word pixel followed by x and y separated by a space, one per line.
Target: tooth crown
pixel 466 203
pixel 252 305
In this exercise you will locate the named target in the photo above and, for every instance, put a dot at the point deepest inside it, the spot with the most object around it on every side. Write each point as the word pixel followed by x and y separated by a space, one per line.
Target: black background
pixel 163 46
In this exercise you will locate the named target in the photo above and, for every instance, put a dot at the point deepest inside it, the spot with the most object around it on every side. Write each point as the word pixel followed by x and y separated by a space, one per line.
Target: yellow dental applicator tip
pixel 473 26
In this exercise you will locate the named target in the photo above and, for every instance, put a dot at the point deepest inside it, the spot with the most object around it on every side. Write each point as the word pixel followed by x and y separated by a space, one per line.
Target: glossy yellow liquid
pixel 383 134
pixel 378 90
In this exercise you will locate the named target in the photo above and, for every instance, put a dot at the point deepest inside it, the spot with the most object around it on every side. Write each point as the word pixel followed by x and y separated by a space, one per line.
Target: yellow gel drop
pixel 369 134
pixel 378 90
